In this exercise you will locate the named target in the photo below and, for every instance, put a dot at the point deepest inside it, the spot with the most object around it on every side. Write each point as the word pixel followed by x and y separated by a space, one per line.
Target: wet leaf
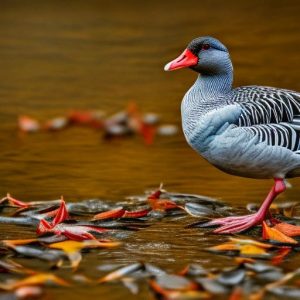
pixel 14 202
pixel 281 254
pixel 194 270
pixel 198 210
pixel 288 229
pixel 232 277
pixel 38 279
pixel 119 273
pixel 62 214
pixel 137 213
pixel 290 292
pixel 162 204
pixel 10 266
pixel 110 214
pixel 253 251
pixel 271 233
pixel 175 282
pixel 52 256
pixel 212 285
pixel 153 270
pixel 72 248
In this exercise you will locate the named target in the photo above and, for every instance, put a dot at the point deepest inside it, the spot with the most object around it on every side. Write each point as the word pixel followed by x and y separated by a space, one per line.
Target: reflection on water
pixel 58 55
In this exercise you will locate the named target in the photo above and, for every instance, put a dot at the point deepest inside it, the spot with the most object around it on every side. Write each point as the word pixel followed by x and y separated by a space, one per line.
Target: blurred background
pixel 61 55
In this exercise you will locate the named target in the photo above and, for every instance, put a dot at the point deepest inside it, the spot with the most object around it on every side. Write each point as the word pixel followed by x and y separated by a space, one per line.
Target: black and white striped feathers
pixel 271 114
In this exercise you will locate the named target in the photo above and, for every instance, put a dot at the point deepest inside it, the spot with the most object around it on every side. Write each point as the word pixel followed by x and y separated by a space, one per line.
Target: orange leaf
pixel 288 229
pixel 38 279
pixel 14 243
pixel 282 253
pixel 270 233
pixel 225 247
pixel 110 214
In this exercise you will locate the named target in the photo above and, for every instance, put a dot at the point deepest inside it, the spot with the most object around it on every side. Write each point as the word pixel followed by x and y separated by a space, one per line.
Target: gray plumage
pixel 249 131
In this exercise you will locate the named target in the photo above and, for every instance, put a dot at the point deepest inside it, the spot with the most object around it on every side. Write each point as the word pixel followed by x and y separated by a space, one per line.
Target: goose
pixel 249 131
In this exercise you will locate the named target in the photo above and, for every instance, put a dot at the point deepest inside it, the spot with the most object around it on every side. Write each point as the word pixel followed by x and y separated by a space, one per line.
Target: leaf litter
pixel 127 122
pixel 62 233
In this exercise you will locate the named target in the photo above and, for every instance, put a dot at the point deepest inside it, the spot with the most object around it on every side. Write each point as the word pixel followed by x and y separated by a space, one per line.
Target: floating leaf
pixel 282 253
pixel 162 204
pixel 38 279
pixel 28 124
pixel 62 213
pixel 110 214
pixel 288 229
pixel 232 277
pixel 14 202
pixel 72 248
pixel 271 233
pixel 137 213
pixel 117 274
pixel 10 266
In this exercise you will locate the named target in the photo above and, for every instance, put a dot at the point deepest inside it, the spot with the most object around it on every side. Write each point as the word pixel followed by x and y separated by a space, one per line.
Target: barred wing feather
pixel 271 114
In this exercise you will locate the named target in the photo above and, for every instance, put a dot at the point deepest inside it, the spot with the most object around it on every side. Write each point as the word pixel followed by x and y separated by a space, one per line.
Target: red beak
pixel 186 59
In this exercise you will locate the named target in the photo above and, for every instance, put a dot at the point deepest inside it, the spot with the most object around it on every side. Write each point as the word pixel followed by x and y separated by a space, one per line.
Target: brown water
pixel 58 55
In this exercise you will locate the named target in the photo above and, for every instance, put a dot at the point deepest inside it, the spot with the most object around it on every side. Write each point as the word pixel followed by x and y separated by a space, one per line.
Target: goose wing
pixel 271 114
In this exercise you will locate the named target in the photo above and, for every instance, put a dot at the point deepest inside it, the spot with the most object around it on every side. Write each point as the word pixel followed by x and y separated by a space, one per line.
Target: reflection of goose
pixel 249 131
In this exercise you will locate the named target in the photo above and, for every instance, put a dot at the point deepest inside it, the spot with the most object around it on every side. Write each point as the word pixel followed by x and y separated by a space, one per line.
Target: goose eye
pixel 205 46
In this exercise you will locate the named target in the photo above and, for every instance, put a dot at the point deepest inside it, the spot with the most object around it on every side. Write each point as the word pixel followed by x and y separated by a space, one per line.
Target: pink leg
pixel 242 223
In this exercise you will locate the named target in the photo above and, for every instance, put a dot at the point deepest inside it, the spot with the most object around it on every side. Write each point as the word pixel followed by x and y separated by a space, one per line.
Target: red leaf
pixel 43 227
pixel 136 213
pixel 282 253
pixel 110 214
pixel 62 214
pixel 16 202
pixel 156 194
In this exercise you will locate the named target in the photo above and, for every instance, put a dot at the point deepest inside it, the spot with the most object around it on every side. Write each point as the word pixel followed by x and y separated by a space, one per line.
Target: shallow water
pixel 62 55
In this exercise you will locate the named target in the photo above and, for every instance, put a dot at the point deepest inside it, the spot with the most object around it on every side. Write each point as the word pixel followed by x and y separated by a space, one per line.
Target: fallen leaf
pixel 38 279
pixel 271 233
pixel 72 248
pixel 288 229
pixel 28 124
pixel 119 273
pixel 110 214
